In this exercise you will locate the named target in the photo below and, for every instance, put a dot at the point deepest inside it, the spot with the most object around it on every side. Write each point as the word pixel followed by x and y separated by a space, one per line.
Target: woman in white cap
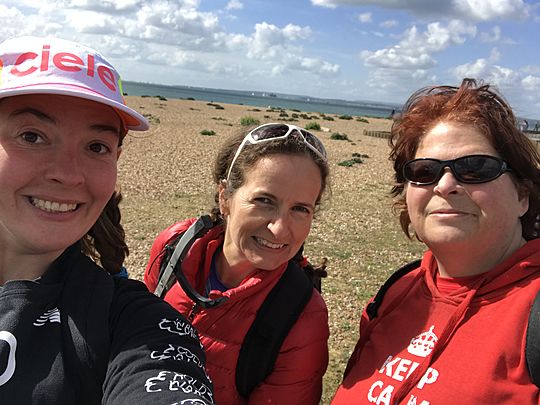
pixel 69 332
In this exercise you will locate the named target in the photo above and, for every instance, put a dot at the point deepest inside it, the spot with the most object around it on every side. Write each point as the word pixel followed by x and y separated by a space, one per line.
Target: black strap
pixel 274 320
pixel 532 344
pixel 171 266
pixel 374 305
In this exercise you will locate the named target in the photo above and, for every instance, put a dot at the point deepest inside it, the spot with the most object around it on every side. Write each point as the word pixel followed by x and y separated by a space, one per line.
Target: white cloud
pixel 365 18
pixel 389 24
pixel 393 58
pixel 494 35
pixel 504 78
pixel 531 83
pixel 479 10
pixel 108 6
pixel 168 33
pixel 324 3
pixel 494 55
pixel 269 40
pixel 415 49
pixel 234 5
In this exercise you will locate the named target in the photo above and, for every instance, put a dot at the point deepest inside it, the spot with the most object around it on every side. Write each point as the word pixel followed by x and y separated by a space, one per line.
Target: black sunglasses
pixel 471 169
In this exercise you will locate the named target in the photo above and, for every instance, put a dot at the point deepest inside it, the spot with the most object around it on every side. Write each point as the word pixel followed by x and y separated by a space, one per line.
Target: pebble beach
pixel 165 176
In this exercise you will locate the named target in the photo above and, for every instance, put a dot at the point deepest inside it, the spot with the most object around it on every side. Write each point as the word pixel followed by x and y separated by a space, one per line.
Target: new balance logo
pixel 52 315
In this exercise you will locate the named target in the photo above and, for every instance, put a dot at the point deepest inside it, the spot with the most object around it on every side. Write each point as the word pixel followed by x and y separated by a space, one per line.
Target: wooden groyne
pixel 377 134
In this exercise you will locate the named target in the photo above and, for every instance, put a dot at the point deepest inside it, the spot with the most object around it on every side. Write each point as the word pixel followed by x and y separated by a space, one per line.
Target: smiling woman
pixel 269 183
pixel 67 327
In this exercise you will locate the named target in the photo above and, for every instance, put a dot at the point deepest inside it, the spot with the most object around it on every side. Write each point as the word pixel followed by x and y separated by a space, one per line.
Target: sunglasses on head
pixel 471 169
pixel 274 132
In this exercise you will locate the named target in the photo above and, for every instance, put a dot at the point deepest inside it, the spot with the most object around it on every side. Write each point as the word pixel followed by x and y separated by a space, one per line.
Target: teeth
pixel 52 206
pixel 264 242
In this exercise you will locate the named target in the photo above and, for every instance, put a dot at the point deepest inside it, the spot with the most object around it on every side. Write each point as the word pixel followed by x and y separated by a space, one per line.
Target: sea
pixel 263 99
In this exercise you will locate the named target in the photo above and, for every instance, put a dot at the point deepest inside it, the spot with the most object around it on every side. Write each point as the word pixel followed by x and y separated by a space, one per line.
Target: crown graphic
pixel 423 344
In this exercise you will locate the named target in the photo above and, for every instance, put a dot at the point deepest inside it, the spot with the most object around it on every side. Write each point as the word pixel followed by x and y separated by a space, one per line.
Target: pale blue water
pixel 259 99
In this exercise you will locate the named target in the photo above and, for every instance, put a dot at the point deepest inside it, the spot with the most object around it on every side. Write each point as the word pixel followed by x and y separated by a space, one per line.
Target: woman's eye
pixel 31 137
pixel 302 209
pixel 263 200
pixel 99 148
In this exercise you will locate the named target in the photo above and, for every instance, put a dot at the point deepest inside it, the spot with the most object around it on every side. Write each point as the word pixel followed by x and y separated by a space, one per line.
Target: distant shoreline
pixel 262 99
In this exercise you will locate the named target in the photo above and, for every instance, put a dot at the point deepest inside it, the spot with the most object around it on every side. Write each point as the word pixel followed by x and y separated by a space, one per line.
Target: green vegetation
pixel 350 162
pixel 362 119
pixel 345 117
pixel 248 121
pixel 356 158
pixel 208 132
pixel 313 126
pixel 338 136
pixel 216 106
pixel 152 118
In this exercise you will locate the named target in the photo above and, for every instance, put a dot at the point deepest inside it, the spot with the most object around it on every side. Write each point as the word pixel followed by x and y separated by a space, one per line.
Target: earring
pixel 536 226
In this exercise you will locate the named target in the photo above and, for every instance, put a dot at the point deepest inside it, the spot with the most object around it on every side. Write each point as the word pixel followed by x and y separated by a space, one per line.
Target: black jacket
pixel 78 336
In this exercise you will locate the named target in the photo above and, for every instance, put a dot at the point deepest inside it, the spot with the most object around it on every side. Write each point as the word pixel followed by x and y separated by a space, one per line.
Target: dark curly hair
pixel 105 241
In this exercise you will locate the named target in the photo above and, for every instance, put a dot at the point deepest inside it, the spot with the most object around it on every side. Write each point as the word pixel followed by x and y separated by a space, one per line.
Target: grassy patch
pixel 313 126
pixel 207 132
pixel 338 136
pixel 248 121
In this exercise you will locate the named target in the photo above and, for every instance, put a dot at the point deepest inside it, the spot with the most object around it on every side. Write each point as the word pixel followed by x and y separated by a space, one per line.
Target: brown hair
pixel 249 156
pixel 105 241
pixel 477 105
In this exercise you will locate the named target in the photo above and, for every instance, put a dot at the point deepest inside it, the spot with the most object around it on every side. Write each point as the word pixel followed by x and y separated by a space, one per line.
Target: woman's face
pixel 449 214
pixel 269 216
pixel 58 159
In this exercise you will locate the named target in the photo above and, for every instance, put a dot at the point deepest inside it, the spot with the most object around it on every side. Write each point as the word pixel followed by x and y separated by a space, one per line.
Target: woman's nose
pixel 447 183
pixel 65 167
pixel 279 226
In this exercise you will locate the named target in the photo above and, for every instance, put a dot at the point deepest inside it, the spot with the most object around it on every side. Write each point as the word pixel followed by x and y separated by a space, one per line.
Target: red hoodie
pixel 441 341
pixel 303 357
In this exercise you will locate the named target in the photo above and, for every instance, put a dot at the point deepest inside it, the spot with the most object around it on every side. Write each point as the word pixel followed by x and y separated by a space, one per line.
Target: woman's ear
pixel 223 193
pixel 523 196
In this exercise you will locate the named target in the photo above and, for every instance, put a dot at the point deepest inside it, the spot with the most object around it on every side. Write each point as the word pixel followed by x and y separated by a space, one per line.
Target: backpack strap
pixel 374 305
pixel 170 269
pixel 176 251
pixel 275 318
pixel 532 344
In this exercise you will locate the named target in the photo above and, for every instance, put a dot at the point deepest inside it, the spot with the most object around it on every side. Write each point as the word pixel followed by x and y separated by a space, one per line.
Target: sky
pixel 369 50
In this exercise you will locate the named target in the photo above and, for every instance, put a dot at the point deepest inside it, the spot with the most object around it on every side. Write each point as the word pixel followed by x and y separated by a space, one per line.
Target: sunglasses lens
pixel 468 169
pixel 269 131
pixel 477 169
pixel 314 141
pixel 424 171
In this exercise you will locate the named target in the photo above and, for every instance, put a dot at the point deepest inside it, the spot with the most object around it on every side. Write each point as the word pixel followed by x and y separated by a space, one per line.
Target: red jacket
pixel 303 358
pixel 442 340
